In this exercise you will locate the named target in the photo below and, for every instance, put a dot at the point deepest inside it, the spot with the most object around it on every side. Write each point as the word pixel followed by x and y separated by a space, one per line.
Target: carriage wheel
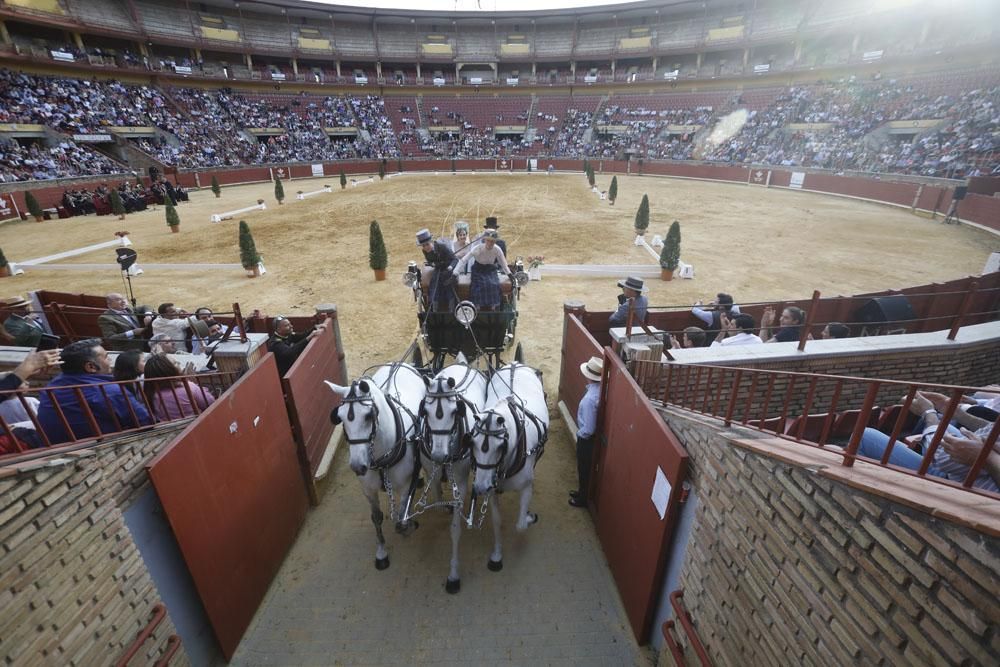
pixel 519 354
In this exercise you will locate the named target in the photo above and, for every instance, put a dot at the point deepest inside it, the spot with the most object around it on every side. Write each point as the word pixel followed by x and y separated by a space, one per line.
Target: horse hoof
pixel 532 518
pixel 406 529
pixel 382 563
pixel 453 586
pixel 495 565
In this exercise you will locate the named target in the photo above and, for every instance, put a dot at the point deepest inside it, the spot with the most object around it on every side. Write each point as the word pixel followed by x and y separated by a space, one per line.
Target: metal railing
pixel 831 412
pixel 82 414
pixel 159 612
pixel 958 307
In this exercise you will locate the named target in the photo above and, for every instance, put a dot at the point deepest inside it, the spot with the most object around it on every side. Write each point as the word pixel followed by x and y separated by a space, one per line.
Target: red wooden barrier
pixel 310 401
pixel 578 346
pixel 231 487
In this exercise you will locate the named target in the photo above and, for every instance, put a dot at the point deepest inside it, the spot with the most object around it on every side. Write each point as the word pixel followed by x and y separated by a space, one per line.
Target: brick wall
pixel 790 562
pixel 74 589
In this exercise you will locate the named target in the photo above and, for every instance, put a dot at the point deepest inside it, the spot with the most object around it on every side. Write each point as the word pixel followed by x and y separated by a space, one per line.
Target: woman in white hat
pixel 586 425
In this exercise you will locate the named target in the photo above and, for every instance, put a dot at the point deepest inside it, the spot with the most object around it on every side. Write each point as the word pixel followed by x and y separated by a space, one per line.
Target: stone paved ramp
pixel 554 603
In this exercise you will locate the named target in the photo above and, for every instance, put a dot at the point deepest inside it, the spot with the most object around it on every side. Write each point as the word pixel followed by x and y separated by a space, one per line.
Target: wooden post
pixel 966 302
pixel 807 325
pixel 329 312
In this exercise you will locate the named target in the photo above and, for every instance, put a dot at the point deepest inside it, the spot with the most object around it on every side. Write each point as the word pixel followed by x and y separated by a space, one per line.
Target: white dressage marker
pixel 303 195
pixel 101 267
pixel 228 215
pixel 685 270
pixel 355 183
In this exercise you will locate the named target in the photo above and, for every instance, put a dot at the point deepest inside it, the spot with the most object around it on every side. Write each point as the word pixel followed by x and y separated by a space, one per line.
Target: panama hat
pixel 15 302
pixel 593 370
pixel 633 283
pixel 424 236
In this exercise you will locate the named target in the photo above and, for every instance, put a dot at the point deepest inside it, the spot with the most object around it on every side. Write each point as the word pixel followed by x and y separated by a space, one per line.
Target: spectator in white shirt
pixel 738 331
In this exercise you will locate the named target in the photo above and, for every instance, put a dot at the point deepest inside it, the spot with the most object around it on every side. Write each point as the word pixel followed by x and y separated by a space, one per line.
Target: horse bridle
pixel 396 452
pixel 457 431
pixel 500 472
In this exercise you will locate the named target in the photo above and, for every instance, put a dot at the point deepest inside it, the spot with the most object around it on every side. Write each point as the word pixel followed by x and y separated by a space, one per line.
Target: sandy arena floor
pixel 752 242
pixel 555 602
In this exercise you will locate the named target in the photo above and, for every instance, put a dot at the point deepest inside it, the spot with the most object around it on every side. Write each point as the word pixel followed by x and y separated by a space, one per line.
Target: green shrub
pixel 613 190
pixel 279 190
pixel 670 256
pixel 249 257
pixel 34 208
pixel 378 256
pixel 216 188
pixel 173 220
pixel 642 215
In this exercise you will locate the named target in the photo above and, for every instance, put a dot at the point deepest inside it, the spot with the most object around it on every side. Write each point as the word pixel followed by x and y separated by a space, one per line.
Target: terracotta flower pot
pixel 5 271
pixel 39 218
pixel 666 274
pixel 218 194
pixel 379 274
pixel 175 229
pixel 640 232
pixel 253 272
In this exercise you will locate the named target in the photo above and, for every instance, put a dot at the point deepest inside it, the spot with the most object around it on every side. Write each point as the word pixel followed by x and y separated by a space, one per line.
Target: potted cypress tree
pixel 381 171
pixel 216 188
pixel 591 178
pixel 670 255
pixel 173 220
pixel 4 265
pixel 117 207
pixel 343 179
pixel 613 190
pixel 279 190
pixel 642 217
pixel 378 256
pixel 249 257
pixel 33 206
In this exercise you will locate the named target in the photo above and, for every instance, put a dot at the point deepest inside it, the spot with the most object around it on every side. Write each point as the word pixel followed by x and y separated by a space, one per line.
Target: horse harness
pixel 521 416
pixel 458 426
pixel 403 437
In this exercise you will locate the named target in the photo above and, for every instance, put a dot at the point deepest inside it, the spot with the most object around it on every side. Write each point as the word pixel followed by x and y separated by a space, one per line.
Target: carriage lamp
pixel 412 275
pixel 466 313
pixel 521 277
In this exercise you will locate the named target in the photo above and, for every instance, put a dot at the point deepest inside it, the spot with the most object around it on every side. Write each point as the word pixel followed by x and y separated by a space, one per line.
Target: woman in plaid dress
pixel 485 288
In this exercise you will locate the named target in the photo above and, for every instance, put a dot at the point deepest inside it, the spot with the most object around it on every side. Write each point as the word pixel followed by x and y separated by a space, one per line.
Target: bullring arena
pixel 745 503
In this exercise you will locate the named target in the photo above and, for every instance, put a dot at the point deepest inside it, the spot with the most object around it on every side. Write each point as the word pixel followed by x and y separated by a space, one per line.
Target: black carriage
pixel 465 328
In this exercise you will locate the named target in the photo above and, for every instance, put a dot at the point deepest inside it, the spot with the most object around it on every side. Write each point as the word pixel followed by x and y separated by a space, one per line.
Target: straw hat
pixel 593 370
pixel 15 302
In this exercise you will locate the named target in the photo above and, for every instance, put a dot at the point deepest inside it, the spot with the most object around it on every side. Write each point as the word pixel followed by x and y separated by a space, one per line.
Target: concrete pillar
pixel 925 31
pixel 798 51
pixel 4 35
pixel 697 64
pixel 418 71
pixel 746 58
pixel 249 61
pixel 78 40
pixel 378 69
pixel 534 69
pixel 338 67
pixel 855 43
pixel 295 67
pixel 458 72
pixel 656 63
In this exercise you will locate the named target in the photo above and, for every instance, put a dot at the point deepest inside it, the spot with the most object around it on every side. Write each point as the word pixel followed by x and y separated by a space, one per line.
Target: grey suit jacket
pixel 114 330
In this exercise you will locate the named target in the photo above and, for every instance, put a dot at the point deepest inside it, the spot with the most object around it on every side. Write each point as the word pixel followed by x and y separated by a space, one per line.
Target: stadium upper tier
pixel 944 125
pixel 643 41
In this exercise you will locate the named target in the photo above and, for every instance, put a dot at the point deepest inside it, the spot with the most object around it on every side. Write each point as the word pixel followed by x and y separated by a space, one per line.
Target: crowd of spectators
pixel 832 125
pixel 35 161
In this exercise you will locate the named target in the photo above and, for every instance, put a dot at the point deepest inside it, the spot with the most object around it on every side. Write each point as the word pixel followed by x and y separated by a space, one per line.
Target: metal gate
pixel 232 489
pixel 637 458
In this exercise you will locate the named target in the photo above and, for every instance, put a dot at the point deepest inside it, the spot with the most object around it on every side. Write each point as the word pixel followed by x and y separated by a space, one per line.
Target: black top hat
pixel 491 223
pixel 633 283
pixel 424 236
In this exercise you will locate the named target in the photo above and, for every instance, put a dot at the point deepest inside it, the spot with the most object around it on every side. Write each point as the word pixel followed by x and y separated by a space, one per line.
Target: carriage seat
pixel 463 288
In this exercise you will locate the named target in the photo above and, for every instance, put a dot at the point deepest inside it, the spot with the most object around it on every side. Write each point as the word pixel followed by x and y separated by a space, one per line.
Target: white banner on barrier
pixel 317 170
pixel 798 177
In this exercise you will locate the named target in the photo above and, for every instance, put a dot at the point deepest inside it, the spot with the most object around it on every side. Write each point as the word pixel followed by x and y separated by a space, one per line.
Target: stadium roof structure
pixel 633 9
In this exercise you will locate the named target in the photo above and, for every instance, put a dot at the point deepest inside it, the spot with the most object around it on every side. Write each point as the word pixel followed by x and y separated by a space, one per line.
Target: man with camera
pixel 121 327
pixel 634 293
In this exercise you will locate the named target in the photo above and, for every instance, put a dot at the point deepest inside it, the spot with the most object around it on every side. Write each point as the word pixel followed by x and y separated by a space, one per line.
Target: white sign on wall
pixel 317 170
pixel 797 178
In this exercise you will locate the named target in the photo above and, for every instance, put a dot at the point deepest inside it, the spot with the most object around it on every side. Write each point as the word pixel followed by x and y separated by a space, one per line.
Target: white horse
pixel 379 414
pixel 507 441
pixel 454 397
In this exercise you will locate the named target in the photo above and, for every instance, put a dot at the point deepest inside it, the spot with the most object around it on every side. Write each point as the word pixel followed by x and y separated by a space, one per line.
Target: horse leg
pixel 381 554
pixel 495 563
pixel 408 486
pixel 524 517
pixel 454 582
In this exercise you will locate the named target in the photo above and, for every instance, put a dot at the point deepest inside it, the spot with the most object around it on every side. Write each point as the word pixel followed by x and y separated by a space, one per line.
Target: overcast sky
pixel 474 5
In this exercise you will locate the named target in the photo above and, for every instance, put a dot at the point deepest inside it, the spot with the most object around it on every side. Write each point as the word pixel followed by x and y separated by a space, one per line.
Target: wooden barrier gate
pixel 640 466
pixel 633 444
pixel 231 487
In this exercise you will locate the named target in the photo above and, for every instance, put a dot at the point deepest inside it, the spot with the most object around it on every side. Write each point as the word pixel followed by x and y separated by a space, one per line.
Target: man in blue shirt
pixel 586 425
pixel 85 365
pixel 634 290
